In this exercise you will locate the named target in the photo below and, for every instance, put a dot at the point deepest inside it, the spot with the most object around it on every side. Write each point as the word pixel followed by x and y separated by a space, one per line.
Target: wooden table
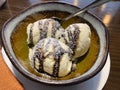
pixel 109 13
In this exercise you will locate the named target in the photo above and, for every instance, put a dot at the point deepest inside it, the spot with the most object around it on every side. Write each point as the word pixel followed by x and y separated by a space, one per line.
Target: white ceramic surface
pixel 95 83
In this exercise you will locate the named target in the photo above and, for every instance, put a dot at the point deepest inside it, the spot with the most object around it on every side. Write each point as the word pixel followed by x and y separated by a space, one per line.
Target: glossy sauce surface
pixel 20 47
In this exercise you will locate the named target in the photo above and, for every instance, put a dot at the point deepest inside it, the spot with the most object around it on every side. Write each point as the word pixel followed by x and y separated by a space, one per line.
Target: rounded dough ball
pixel 43 28
pixel 52 57
pixel 77 37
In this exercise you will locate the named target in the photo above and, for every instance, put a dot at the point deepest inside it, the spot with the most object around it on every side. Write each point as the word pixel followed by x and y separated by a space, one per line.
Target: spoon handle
pixel 92 5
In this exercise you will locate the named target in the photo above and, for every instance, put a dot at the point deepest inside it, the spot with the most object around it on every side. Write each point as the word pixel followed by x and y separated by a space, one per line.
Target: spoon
pixel 2 3
pixel 92 5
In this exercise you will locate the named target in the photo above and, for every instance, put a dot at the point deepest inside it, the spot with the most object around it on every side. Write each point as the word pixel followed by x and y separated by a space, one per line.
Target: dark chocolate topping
pixel 39 55
pixel 54 29
pixel 72 43
pixel 57 53
pixel 43 29
pixel 31 44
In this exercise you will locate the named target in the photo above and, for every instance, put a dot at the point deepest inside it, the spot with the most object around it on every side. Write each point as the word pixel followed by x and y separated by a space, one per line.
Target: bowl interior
pixel 10 26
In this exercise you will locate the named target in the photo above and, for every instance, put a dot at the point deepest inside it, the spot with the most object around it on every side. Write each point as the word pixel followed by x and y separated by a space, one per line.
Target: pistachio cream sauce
pixel 26 48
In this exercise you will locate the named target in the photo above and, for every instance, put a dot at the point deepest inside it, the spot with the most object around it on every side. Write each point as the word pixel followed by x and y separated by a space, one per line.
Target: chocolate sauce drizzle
pixel 43 31
pixel 72 43
pixel 58 53
pixel 31 44
pixel 43 27
pixel 39 55
pixel 55 27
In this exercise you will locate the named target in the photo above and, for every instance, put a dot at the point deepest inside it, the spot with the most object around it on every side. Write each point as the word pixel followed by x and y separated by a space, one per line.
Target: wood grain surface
pixel 109 13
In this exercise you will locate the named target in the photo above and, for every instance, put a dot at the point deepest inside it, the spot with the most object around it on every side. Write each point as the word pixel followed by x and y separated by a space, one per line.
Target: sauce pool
pixel 20 47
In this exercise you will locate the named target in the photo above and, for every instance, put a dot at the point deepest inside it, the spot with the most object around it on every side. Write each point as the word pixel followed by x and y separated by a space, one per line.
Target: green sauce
pixel 19 43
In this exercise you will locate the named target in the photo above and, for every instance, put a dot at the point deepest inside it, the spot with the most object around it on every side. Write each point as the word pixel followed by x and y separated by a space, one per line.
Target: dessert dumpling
pixel 42 29
pixel 52 57
pixel 77 37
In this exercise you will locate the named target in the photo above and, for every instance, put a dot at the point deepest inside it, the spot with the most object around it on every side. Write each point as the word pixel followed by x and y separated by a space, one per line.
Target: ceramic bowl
pixel 10 25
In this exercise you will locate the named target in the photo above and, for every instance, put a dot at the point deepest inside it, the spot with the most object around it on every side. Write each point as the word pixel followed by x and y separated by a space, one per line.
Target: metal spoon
pixel 2 3
pixel 92 5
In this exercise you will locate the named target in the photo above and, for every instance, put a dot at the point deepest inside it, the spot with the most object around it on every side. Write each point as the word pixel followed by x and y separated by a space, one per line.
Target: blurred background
pixel 109 13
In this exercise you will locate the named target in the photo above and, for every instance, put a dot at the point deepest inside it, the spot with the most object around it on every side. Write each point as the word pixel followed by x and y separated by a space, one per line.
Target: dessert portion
pixel 52 57
pixel 77 37
pixel 52 49
pixel 42 29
